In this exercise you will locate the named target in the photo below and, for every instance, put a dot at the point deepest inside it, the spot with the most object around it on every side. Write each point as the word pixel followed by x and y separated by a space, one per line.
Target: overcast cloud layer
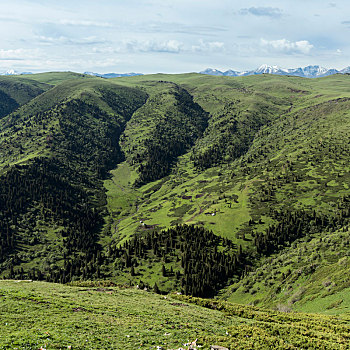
pixel 172 36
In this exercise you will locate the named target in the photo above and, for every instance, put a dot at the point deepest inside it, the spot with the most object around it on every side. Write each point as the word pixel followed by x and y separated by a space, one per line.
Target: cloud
pixel 286 46
pixel 108 50
pixel 211 46
pixel 272 12
pixel 346 22
pixel 63 40
pixel 172 46
pixel 167 46
pixel 127 46
pixel 180 28
pixel 132 46
pixel 84 23
pixel 16 54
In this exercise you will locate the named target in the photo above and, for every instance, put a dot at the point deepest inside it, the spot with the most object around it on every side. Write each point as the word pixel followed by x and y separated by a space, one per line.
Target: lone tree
pixel 156 289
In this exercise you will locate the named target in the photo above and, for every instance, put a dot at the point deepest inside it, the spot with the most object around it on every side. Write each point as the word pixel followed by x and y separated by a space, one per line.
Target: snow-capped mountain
pixel 345 70
pixel 211 71
pixel 13 72
pixel 265 69
pixel 306 72
pixel 10 72
pixel 112 75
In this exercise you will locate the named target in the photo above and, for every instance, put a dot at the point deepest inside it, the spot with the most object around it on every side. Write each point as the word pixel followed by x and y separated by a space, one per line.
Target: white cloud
pixel 167 46
pixel 11 54
pixel 130 46
pixel 17 54
pixel 286 46
pixel 172 46
pixel 91 40
pixel 272 12
pixel 84 23
pixel 108 50
pixel 211 46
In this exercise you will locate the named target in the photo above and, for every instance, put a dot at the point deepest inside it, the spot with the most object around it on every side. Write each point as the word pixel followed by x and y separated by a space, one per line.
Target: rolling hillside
pixel 15 92
pixel 53 316
pixel 94 173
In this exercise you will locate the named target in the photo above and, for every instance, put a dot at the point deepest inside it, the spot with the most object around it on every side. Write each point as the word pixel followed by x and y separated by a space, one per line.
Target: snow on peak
pixel 11 72
pixel 314 71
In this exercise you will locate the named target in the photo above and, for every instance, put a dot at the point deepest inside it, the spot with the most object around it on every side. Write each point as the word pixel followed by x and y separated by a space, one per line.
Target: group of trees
pixel 230 133
pixel 292 225
pixel 7 104
pixel 41 188
pixel 201 262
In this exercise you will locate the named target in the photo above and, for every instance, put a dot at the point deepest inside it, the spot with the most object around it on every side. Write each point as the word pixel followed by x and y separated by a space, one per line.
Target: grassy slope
pixel 15 92
pixel 292 96
pixel 22 91
pixel 52 316
pixel 311 275
pixel 55 78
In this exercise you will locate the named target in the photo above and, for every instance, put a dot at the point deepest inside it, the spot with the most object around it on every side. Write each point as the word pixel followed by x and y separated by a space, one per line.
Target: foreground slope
pixel 52 316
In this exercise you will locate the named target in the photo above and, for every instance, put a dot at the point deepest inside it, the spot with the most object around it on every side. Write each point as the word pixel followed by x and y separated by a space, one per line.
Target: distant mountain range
pixel 107 75
pixel 14 72
pixel 112 75
pixel 306 72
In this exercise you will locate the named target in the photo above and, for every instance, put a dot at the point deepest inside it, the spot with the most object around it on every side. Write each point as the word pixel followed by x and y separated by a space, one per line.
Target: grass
pixel 92 316
pixel 55 78
pixel 35 314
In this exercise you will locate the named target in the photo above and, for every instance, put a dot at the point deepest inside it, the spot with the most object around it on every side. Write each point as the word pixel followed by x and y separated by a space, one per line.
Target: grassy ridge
pixel 55 78
pixel 92 316
pixel 162 130
pixel 15 92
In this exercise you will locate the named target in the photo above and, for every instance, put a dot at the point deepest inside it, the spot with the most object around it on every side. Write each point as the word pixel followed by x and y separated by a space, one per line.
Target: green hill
pixel 189 181
pixel 55 78
pixel 53 316
pixel 15 92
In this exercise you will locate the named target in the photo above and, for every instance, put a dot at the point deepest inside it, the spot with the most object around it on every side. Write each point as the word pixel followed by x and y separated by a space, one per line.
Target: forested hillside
pixel 177 182
pixel 55 152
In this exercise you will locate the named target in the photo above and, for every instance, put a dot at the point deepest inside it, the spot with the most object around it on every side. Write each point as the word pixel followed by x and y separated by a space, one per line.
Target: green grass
pixel 55 78
pixel 92 316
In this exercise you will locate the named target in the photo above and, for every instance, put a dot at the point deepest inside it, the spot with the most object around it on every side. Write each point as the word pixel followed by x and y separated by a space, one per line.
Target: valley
pixel 229 187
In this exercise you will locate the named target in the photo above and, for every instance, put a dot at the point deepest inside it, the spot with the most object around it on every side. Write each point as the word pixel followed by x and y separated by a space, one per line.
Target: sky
pixel 172 36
